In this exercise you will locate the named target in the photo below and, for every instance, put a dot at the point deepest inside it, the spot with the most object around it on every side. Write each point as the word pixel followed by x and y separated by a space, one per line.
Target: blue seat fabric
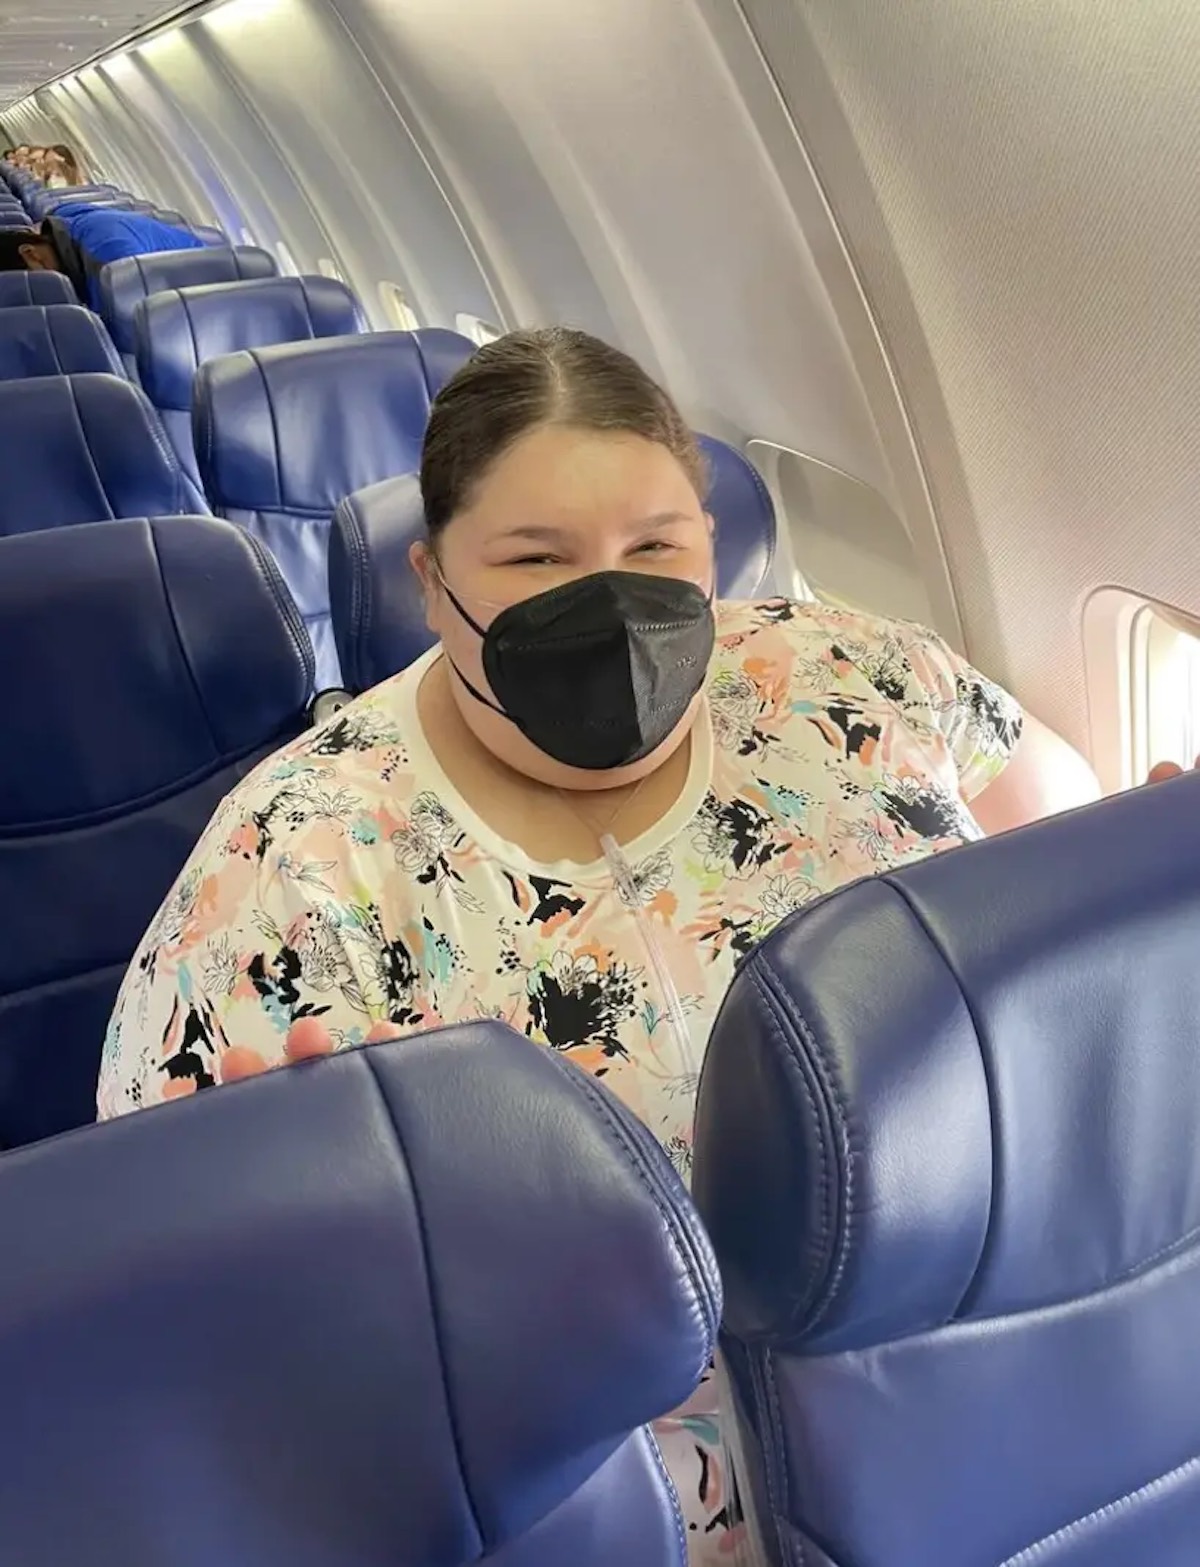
pixel 155 663
pixel 83 448
pixel 35 288
pixel 177 330
pixel 946 1149
pixel 284 434
pixel 124 284
pixel 38 340
pixel 290 1322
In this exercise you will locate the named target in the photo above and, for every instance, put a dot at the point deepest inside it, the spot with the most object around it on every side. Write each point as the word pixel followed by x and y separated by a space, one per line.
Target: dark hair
pixel 543 375
pixel 11 241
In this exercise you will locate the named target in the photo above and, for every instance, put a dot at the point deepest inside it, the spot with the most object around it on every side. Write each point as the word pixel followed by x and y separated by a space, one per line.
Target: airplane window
pixel 399 312
pixel 478 330
pixel 1165 689
pixel 287 262
pixel 329 268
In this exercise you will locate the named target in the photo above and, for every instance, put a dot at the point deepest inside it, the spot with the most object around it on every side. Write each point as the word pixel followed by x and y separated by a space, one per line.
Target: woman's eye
pixel 533 560
pixel 654 547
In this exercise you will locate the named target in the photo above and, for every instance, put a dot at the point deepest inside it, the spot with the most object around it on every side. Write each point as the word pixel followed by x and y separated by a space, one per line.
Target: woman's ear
pixel 420 558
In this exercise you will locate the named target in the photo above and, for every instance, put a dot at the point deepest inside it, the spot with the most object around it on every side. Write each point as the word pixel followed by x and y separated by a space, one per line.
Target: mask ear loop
pixel 479 632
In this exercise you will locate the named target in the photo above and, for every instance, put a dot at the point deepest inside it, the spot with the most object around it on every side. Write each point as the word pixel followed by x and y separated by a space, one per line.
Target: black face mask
pixel 597 673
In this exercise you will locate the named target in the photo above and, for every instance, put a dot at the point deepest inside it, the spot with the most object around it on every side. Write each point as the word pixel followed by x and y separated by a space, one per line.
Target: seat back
pixel 152 664
pixel 175 331
pixel 38 340
pixel 946 1148
pixel 44 200
pixel 744 516
pixel 377 606
pixel 283 434
pixel 35 288
pixel 124 284
pixel 84 447
pixel 296 1304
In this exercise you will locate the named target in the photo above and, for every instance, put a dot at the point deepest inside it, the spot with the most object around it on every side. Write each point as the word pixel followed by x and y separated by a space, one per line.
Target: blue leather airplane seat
pixel 124 284
pixel 81 448
pixel 946 1149
pixel 744 516
pixel 43 202
pixel 37 340
pixel 408 1305
pixel 176 330
pixel 151 664
pixel 284 434
pixel 35 288
pixel 378 612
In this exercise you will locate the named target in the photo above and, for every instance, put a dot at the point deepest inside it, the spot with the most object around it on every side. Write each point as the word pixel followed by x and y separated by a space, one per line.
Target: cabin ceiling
pixel 40 39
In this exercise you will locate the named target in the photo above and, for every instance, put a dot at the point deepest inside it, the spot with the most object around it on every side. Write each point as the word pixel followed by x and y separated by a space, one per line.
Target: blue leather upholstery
pixel 54 340
pixel 378 612
pixel 43 202
pixel 741 507
pixel 124 284
pixel 175 331
pixel 35 288
pixel 376 602
pixel 283 434
pixel 946 1148
pixel 151 665
pixel 406 1306
pixel 84 447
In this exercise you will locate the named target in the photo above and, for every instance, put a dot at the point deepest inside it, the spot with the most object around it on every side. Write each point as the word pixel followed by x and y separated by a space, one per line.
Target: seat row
pixel 26 202
pixel 275 437
pixel 945 1150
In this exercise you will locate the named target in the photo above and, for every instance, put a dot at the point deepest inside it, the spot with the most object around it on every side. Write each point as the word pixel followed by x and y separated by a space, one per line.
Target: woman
pixel 577 811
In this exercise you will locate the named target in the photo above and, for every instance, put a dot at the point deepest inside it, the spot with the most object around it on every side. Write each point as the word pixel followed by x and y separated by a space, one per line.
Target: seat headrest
pixel 35 288
pixel 84 447
pixel 177 330
pixel 44 201
pixel 172 645
pixel 744 515
pixel 417 1358
pixel 964 1090
pixel 40 340
pixel 374 596
pixel 210 234
pixel 124 283
pixel 298 427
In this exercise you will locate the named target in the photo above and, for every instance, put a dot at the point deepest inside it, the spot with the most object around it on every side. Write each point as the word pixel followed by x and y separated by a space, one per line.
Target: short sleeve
pixel 979 721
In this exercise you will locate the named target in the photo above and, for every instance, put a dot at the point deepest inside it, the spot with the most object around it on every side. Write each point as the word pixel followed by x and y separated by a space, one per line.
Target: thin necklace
pixel 607 830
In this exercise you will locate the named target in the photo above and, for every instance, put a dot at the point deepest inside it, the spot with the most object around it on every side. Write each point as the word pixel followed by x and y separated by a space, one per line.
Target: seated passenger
pixel 62 168
pixel 582 806
pixel 81 239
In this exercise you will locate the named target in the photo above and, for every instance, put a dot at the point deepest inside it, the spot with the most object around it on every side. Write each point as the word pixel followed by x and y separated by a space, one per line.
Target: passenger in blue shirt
pixel 80 239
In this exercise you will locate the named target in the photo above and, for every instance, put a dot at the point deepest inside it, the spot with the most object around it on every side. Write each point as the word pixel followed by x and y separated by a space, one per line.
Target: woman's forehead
pixel 559 477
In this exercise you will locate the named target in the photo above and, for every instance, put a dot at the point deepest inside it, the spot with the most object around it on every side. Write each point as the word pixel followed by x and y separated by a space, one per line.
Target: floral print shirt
pixel 346 892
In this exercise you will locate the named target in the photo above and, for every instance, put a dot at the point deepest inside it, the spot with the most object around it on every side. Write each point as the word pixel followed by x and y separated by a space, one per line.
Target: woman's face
pixel 560 504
